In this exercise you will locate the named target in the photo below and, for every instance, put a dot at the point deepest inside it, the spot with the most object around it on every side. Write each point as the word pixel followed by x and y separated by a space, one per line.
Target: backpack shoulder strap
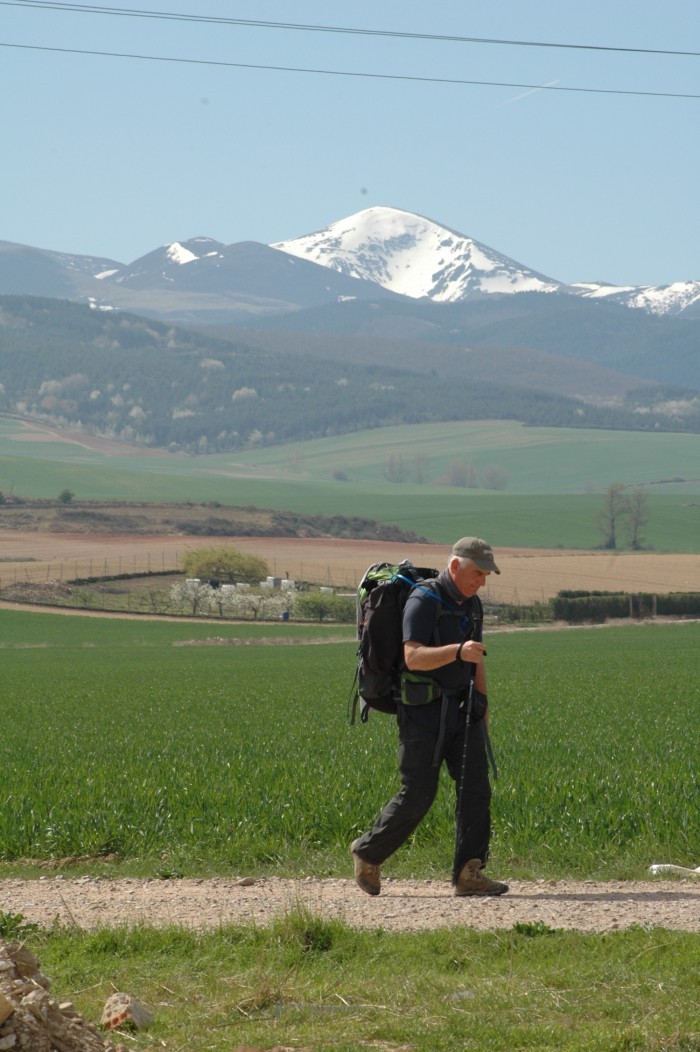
pixel 441 606
pixel 477 618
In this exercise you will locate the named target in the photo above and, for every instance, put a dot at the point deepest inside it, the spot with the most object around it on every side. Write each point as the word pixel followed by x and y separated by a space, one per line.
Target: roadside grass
pixel 310 983
pixel 123 740
pixel 25 629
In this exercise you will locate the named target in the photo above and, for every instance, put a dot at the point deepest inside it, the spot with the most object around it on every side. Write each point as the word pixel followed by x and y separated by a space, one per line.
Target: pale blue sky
pixel 116 156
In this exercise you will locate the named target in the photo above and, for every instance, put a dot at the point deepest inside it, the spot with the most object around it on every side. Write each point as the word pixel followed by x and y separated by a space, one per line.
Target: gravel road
pixel 588 906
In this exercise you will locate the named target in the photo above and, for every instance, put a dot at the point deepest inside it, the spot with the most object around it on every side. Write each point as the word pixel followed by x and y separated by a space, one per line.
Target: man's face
pixel 467 576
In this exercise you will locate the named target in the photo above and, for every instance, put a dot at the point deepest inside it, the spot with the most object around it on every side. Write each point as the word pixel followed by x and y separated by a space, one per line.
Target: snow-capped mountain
pixel 419 258
pixel 415 257
pixel 164 265
pixel 681 296
pixel 377 254
pixel 207 267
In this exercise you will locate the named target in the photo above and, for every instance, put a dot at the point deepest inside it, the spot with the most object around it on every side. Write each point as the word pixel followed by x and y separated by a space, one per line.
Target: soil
pixel 587 906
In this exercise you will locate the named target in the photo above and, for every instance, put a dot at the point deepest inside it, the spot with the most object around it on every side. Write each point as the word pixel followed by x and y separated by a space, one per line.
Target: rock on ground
pixel 30 1019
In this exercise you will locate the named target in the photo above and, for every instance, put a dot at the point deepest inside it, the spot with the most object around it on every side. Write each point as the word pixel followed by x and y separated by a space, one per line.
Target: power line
pixel 53 5
pixel 353 73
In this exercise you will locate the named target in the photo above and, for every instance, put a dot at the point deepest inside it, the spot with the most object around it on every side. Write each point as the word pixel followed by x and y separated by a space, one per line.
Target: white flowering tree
pixel 191 594
pixel 237 603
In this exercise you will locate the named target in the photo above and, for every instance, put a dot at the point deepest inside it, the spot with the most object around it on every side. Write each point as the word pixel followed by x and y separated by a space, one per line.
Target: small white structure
pixel 659 869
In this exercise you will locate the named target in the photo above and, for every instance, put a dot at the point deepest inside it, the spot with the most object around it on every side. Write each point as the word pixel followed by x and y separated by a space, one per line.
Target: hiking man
pixel 442 717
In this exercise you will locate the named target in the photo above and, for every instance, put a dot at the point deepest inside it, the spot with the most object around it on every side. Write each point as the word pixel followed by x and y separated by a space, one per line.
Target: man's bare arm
pixel 420 658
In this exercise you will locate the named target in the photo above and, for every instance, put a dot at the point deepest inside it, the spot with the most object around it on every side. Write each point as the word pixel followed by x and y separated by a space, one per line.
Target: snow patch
pixel 177 253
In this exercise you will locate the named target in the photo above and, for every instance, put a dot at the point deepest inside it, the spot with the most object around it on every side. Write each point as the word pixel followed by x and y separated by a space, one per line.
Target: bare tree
pixel 615 508
pixel 495 476
pixel 462 473
pixel 419 466
pixel 396 469
pixel 638 511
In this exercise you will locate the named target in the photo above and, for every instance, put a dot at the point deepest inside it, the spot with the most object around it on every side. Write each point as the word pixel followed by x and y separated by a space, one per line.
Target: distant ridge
pixel 375 254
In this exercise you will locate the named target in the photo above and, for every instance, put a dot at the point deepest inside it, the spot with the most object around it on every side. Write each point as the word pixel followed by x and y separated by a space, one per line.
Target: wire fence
pixel 81 568
pixel 145 561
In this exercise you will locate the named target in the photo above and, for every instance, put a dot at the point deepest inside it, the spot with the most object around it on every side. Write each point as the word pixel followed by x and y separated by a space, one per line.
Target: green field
pixel 210 759
pixel 217 760
pixel 556 478
pixel 538 460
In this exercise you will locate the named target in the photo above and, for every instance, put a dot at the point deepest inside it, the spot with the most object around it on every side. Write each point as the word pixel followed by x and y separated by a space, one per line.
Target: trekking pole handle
pixel 458 656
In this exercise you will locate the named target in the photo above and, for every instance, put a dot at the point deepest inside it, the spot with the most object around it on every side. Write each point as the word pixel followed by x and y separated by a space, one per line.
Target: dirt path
pixel 590 906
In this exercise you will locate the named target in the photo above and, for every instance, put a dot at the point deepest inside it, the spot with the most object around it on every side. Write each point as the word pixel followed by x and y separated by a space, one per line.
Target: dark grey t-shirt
pixel 430 618
pixel 426 608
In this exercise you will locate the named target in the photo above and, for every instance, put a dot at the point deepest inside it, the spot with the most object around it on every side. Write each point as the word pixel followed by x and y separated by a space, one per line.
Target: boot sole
pixel 369 889
pixel 480 894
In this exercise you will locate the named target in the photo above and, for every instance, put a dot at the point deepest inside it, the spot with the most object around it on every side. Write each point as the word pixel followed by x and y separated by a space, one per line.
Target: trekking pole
pixel 457 862
pixel 477 634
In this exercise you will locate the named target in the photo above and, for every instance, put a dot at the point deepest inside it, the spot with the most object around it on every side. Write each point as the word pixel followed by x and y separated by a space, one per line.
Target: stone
pixel 6 1008
pixel 35 1022
pixel 124 1010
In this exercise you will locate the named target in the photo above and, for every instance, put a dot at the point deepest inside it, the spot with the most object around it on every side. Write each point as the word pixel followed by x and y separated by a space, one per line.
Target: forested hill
pixel 657 348
pixel 155 384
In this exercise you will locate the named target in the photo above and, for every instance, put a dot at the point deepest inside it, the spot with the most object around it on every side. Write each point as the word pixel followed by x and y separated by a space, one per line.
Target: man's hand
pixel 420 658
pixel 472 652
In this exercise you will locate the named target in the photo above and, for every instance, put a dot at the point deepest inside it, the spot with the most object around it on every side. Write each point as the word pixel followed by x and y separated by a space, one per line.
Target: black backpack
pixel 381 597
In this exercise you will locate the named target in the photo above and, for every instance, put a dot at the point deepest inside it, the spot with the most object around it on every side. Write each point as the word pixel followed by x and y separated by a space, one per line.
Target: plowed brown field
pixel 526 575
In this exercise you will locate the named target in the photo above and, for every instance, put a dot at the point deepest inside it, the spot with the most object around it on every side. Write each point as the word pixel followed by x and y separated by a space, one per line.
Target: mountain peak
pixel 182 252
pixel 415 256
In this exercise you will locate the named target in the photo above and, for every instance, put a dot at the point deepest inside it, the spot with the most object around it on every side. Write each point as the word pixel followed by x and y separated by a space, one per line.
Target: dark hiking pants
pixel 419 778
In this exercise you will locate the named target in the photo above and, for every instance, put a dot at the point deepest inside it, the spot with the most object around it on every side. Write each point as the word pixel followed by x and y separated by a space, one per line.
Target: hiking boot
pixel 471 881
pixel 367 874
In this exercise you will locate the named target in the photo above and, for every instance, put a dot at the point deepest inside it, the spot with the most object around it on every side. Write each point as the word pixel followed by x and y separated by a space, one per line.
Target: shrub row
pixel 681 603
pixel 577 607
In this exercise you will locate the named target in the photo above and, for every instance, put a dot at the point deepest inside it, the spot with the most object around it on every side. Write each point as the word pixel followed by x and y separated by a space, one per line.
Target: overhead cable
pixel 98 9
pixel 352 73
